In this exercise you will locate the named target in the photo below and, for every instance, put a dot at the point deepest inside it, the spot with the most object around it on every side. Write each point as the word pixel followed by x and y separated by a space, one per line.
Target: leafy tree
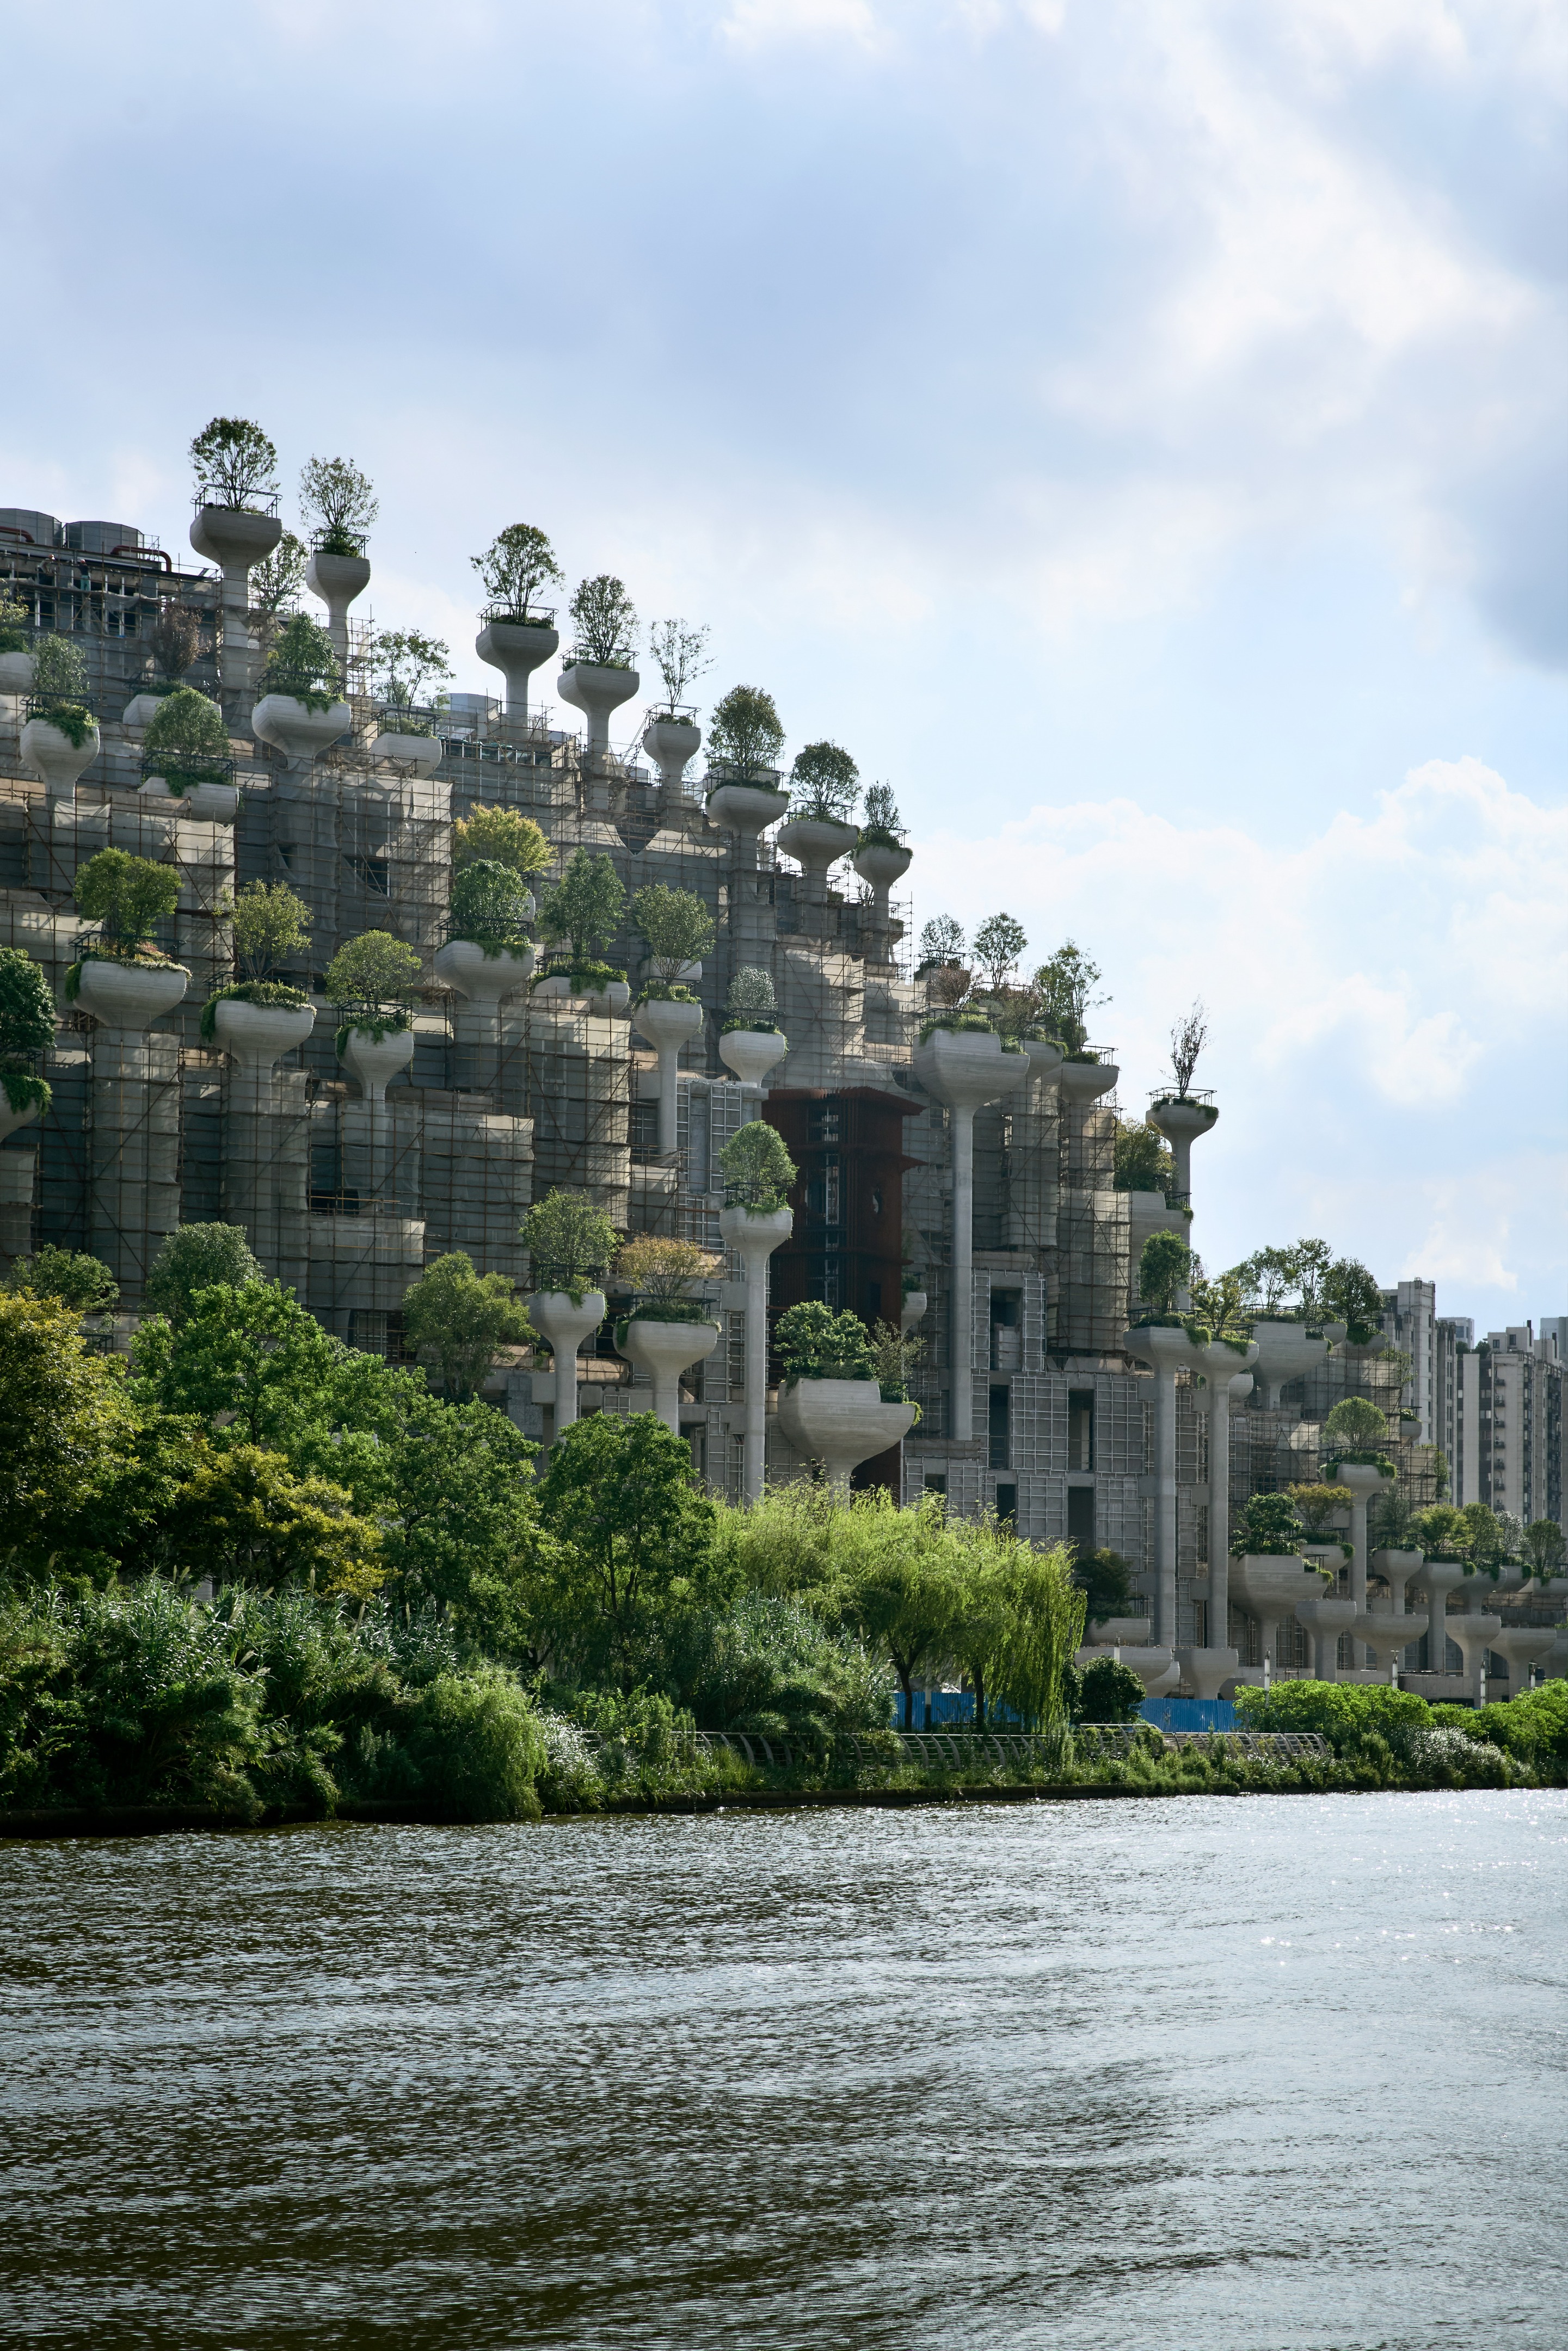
pixel 1441 1531
pixel 904 1593
pixel 1356 1426
pixel 175 637
pixel 403 662
pixel 757 1167
pixel 824 781
pixel 664 1268
pixel 244 1514
pixel 941 942
pixel 342 501
pixel 82 1282
pixel 621 1498
pixel 815 1344
pixel 677 926
pixel 193 1259
pixel 1041 1622
pixel 460 1318
pixel 15 620
pixel 1110 1692
pixel 490 904
pixel 271 925
pixel 187 721
pixel 1189 1039
pixel 1268 1525
pixel 1144 1162
pixel 894 1352
pixel 1351 1295
pixel 1064 986
pixel 1543 1547
pixel 246 1359
pixel 1267 1277
pixel 1317 1505
pixel 462 1524
pixel 26 1029
pixel 60 681
pixel 1218 1303
pixel 276 583
pixel 570 1243
pixel 1104 1579
pixel 302 663
pixel 1488 1534
pixel 518 562
pixel 501 836
pixel 680 654
pixel 1165 1263
pixel 126 897
pixel 882 822
pixel 233 457
pixel 606 622
pixel 998 943
pixel 372 977
pixel 66 1420
pixel 744 735
pixel 752 1003
pixel 585 906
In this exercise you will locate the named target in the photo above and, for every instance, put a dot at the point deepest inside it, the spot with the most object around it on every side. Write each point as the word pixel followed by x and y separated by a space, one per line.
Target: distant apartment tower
pixel 1507 1423
pixel 1410 1321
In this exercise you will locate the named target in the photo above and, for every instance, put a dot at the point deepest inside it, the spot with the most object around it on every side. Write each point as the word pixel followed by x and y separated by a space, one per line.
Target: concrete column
pixel 236 540
pixel 668 1024
pixel 338 579
pixel 135 1149
pixel 1224 1394
pixel 665 1349
pixel 565 1327
pixel 753 1234
pixel 962 1069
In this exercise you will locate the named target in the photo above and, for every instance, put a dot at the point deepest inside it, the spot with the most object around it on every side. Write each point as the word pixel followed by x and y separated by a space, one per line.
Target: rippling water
pixel 1257 2075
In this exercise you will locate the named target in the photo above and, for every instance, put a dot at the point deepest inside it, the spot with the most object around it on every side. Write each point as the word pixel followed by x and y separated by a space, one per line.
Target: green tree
pixel 757 1167
pixel 175 637
pixel 1317 1505
pixel 81 1282
pixel 1489 1542
pixel 570 1243
pixel 274 586
pixel 680 654
pixel 303 663
pixel 26 1029
pixel 751 1002
pixel 1441 1531
pixel 1110 1692
pixel 621 1498
pixel 247 1360
pixel 188 738
pixel 244 1514
pixel 585 906
pixel 342 501
pixel 606 622
pixel 1144 1162
pixel 1165 1263
pixel 233 461
pixel 271 925
pixel 1351 1295
pixel 941 943
pixel 67 1424
pixel 815 1344
pixel 903 1590
pixel 1356 1428
pixel 196 1258
pixel 518 562
pixel 372 978
pixel 677 926
pixel 1189 1039
pixel 1104 1579
pixel 1543 1547
pixel 126 897
pixel 998 943
pixel 404 663
pixel 461 1525
pixel 1064 986
pixel 745 737
pixel 1268 1527
pixel 502 836
pixel 460 1320
pixel 490 904
pixel 59 683
pixel 882 822
pixel 824 783
pixel 1021 1619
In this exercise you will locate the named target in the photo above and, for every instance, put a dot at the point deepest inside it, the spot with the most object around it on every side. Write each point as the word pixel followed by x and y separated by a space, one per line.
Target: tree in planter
pixel 232 458
pixel 188 741
pixel 570 1243
pixel 490 906
pixel 606 622
pixel 882 823
pixel 1064 986
pixel 1143 1159
pixel 1441 1531
pixel 1218 1303
pixel 402 664
pixel 343 502
pixel 1267 1278
pixel 824 784
pixel 815 1344
pixel 751 1003
pixel 1544 1548
pixel 1165 1263
pixel 517 563
pixel 1490 1534
pixel 663 1272
pixel 757 1169
pixel 501 836
pixel 1106 1580
pixel 59 684
pixel 26 1029
pixel 270 925
pixel 998 943
pixel 1189 1039
pixel 15 621
pixel 896 1353
pixel 583 908
pixel 460 1318
pixel 677 926
pixel 276 583
pixel 1269 1528
pixel 680 654
pixel 127 897
pixel 745 737
pixel 83 1283
pixel 176 638
pixel 196 1258
pixel 1316 1504
pixel 372 980
pixel 942 952
pixel 1351 1295
pixel 1110 1693
pixel 303 663
pixel 1355 1430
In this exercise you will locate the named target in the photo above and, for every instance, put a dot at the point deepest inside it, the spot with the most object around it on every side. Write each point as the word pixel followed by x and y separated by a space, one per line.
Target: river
pixel 1198 2074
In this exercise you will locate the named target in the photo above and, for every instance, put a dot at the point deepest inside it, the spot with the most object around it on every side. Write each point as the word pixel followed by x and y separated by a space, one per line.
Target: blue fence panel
pixel 1189 1713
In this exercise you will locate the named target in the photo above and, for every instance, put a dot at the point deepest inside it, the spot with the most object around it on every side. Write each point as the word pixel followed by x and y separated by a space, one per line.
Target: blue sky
pixel 1134 427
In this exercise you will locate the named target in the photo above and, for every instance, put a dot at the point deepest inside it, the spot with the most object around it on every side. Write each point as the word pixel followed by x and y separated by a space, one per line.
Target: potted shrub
pixel 122 976
pixel 404 666
pixel 824 785
pixel 570 1244
pixel 487 954
pixel 1267 1574
pixel 302 709
pixel 516 632
pixel 882 857
pixel 755 1220
pixel 757 1174
pixel 236 525
pixel 667 1012
pixel 597 676
pixel 185 759
pixel 26 1031
pixel 60 738
pixel 259 1016
pixel 831 1406
pixel 342 505
pixel 667 1329
pixel 175 638
pixel 745 739
pixel 751 1041
pixel 582 912
pixel 679 930
pixel 671 736
pixel 372 980
pixel 16 658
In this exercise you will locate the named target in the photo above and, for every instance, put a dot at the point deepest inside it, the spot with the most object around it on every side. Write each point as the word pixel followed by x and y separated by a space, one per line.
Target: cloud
pixel 751 24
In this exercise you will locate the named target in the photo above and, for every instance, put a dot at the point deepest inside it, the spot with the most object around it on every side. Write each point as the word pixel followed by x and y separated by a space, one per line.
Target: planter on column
pixel 912 1308
pixel 481 981
pixel 964 1069
pixel 296 730
pixel 18 1174
pixel 417 755
pixel 1285 1351
pixel 1182 1121
pixel 818 843
pixel 265 1164
pixel 50 753
pixel 1476 1628
pixel 376 1060
pixel 516 647
pixel 881 863
pixel 1361 1480
pixel 1524 1646
pixel 752 1052
pixel 15 674
pixel 256 1035
pixel 1270 1585
pixel 1083 1082
pixel 134 1112
pixel 1229 1382
pixel 671 744
pixel 1439 1577
pixel 667 1024
pixel 841 1423
pixel 565 1325
pixel 338 579
pixel 747 810
pixel 753 1234
pixel 665 1349
pixel 1325 1620
pixel 236 540
pixel 129 995
pixel 1170 1349
pixel 597 688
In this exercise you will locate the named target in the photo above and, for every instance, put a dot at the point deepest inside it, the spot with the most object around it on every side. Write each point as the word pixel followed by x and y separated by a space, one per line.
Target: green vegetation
pixel 192 1259
pixel 275 585
pixel 1355 1430
pixel 662 1270
pixel 126 897
pixel 815 1344
pixel 1165 1263
pixel 402 664
pixel 186 741
pixel 501 836
pixel 677 926
pixel 303 664
pixel 59 684
pixel 606 622
pixel 15 621
pixel 745 737
pixel 26 1029
pixel 752 1003
pixel 270 926
pixel 1063 988
pixel 884 826
pixel 680 656
pixel 1112 1692
pixel 458 1320
pixel 1144 1162
pixel 584 907
pixel 343 502
pixel 81 1282
pixel 998 943
pixel 518 562
pixel 757 1167
pixel 1269 1526
pixel 490 906
pixel 570 1243
pixel 233 459
pixel 372 979
pixel 824 784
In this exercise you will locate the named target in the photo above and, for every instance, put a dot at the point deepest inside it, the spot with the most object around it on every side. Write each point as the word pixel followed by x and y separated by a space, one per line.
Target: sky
pixel 1134 428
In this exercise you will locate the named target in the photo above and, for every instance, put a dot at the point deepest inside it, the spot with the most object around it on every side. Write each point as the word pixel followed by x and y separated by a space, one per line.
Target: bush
pixel 1165 1267
pixel 271 925
pixel 1110 1692
pixel 490 906
pixel 570 1243
pixel 757 1167
pixel 815 1344
pixel 126 897
pixel 677 926
pixel 186 722
pixel 475 1742
pixel 606 622
pixel 1144 1162
pixel 196 1258
pixel 59 675
pixel 824 781
pixel 745 737
pixel 1268 1527
pixel 81 1282
pixel 371 980
pixel 501 836
pixel 303 663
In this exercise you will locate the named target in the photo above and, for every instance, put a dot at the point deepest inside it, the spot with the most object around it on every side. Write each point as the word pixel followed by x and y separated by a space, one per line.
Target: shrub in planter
pixel 584 907
pixel 815 1344
pixel 372 980
pixel 678 654
pixel 26 1029
pixel 489 905
pixel 303 664
pixel 664 991
pixel 1357 1431
pixel 745 737
pixel 1269 1527
pixel 824 784
pixel 606 624
pixel 126 897
pixel 186 742
pixel 402 664
pixel 499 836
pixel 883 827
pixel 271 925
pixel 59 687
pixel 341 501
pixel 1164 1266
pixel 233 457
pixel 677 926
pixel 570 1243
pixel 895 1354
pixel 663 1272
pixel 757 1169
pixel 518 562
pixel 13 625
pixel 752 1003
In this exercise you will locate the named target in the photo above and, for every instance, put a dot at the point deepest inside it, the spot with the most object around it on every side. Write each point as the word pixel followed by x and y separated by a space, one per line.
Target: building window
pixel 1081 1428
pixel 1000 1428
pixel 1081 1518
pixel 1007 1505
pixel 936 1483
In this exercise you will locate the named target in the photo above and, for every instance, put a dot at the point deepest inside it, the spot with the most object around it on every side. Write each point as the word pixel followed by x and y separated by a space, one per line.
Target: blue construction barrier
pixel 1189 1713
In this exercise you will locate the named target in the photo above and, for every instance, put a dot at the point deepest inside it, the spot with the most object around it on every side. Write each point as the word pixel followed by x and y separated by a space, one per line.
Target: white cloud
pixel 753 24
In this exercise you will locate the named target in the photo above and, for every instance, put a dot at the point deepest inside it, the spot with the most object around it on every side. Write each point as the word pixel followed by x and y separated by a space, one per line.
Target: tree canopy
pixel 459 1319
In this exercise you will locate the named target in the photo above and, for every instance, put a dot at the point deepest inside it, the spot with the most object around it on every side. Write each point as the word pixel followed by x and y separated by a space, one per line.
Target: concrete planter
pixel 53 755
pixel 596 689
pixel 1045 1059
pixel 376 1060
pixel 129 996
pixel 516 649
pixel 747 809
pixel 1085 1082
pixel 881 866
pixel 1154 1664
pixel 668 1025
pixel 751 1052
pixel 1205 1671
pixel 15 672
pixel 1270 1585
pixel 964 1069
pixel 1524 1645
pixel 198 803
pixel 1325 1620
pixel 610 1003
pixel 300 733
pixel 841 1423
pixel 753 1234
pixel 817 843
pixel 1389 1634
pixel 13 1121
pixel 671 744
pixel 1182 1123
pixel 234 538
pixel 338 579
pixel 255 1035
pixel 140 711
pixel 1285 1352
pixel 484 980
pixel 420 754
pixel 665 1349
pixel 566 1326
